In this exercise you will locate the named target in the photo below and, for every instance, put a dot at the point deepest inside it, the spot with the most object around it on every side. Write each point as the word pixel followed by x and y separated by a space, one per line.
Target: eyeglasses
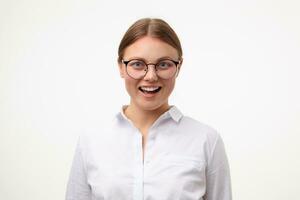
pixel 137 69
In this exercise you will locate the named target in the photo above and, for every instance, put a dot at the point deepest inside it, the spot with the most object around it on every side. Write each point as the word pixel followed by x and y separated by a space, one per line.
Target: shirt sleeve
pixel 77 186
pixel 218 181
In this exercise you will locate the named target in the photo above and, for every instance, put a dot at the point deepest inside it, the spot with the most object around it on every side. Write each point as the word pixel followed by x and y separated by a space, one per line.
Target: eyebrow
pixel 161 58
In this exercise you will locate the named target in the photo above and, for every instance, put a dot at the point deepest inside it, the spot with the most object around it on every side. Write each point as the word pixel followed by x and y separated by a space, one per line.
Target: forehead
pixel 150 49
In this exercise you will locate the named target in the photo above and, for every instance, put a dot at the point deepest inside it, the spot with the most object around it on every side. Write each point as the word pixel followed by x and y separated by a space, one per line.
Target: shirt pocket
pixel 181 166
pixel 184 161
pixel 181 175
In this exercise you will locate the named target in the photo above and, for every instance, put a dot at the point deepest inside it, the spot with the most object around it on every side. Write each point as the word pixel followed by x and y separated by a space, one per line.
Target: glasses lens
pixel 166 69
pixel 136 68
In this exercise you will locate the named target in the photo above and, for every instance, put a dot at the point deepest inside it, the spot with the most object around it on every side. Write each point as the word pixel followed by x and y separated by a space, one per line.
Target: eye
pixel 165 64
pixel 136 64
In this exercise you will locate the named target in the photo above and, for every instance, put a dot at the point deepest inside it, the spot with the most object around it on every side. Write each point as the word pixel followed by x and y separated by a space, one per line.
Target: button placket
pixel 138 168
pixel 149 153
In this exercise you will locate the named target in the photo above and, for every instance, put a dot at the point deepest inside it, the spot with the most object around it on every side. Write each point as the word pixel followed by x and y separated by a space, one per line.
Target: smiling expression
pixel 150 50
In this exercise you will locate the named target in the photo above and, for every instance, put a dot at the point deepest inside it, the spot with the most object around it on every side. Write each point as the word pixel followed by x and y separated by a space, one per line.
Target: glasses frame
pixel 155 65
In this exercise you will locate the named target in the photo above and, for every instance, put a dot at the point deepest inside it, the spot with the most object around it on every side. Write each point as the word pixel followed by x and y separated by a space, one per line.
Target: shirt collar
pixel 173 113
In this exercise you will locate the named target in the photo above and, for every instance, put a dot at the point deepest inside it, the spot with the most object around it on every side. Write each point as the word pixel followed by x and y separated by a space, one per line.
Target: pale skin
pixel 143 111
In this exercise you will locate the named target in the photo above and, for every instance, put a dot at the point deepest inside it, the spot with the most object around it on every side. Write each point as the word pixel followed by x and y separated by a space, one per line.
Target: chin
pixel 151 105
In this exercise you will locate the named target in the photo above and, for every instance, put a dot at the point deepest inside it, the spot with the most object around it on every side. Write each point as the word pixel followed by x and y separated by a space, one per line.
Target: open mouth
pixel 149 90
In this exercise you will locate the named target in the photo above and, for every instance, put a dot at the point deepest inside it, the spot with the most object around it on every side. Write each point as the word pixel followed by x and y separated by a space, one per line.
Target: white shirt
pixel 184 160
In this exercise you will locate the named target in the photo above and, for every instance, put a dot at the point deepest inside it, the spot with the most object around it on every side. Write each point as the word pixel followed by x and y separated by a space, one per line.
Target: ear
pixel 121 69
pixel 179 66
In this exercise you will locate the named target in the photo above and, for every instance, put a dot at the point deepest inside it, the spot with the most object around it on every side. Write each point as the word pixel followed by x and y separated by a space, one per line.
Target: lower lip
pixel 149 95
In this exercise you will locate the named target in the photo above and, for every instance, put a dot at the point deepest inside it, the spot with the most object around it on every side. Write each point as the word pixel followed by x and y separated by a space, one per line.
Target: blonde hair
pixel 153 27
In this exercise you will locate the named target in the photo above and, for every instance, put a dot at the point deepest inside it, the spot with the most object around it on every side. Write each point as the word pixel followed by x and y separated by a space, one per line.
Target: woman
pixel 150 150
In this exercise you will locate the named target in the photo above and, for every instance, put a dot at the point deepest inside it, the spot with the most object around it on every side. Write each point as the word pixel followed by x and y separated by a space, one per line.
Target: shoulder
pixel 196 138
pixel 198 128
pixel 201 137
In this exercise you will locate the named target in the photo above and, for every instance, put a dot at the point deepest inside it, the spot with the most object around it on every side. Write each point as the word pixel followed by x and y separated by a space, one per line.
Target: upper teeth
pixel 149 88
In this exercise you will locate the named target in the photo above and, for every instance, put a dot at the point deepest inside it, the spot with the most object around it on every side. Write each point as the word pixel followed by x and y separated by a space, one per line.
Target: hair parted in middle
pixel 153 27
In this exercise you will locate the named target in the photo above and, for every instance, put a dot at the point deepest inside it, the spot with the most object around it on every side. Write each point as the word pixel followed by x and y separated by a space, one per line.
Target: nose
pixel 151 73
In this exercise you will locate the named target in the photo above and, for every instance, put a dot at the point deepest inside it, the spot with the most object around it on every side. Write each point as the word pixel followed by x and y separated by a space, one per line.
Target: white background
pixel 58 75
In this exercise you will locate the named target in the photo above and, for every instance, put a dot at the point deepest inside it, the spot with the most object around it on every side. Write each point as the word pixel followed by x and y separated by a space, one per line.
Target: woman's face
pixel 150 50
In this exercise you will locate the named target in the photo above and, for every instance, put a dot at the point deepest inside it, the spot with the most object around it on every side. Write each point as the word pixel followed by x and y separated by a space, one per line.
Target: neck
pixel 143 119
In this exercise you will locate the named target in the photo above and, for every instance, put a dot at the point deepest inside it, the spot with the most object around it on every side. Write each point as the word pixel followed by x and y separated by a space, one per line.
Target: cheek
pixel 130 85
pixel 169 86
